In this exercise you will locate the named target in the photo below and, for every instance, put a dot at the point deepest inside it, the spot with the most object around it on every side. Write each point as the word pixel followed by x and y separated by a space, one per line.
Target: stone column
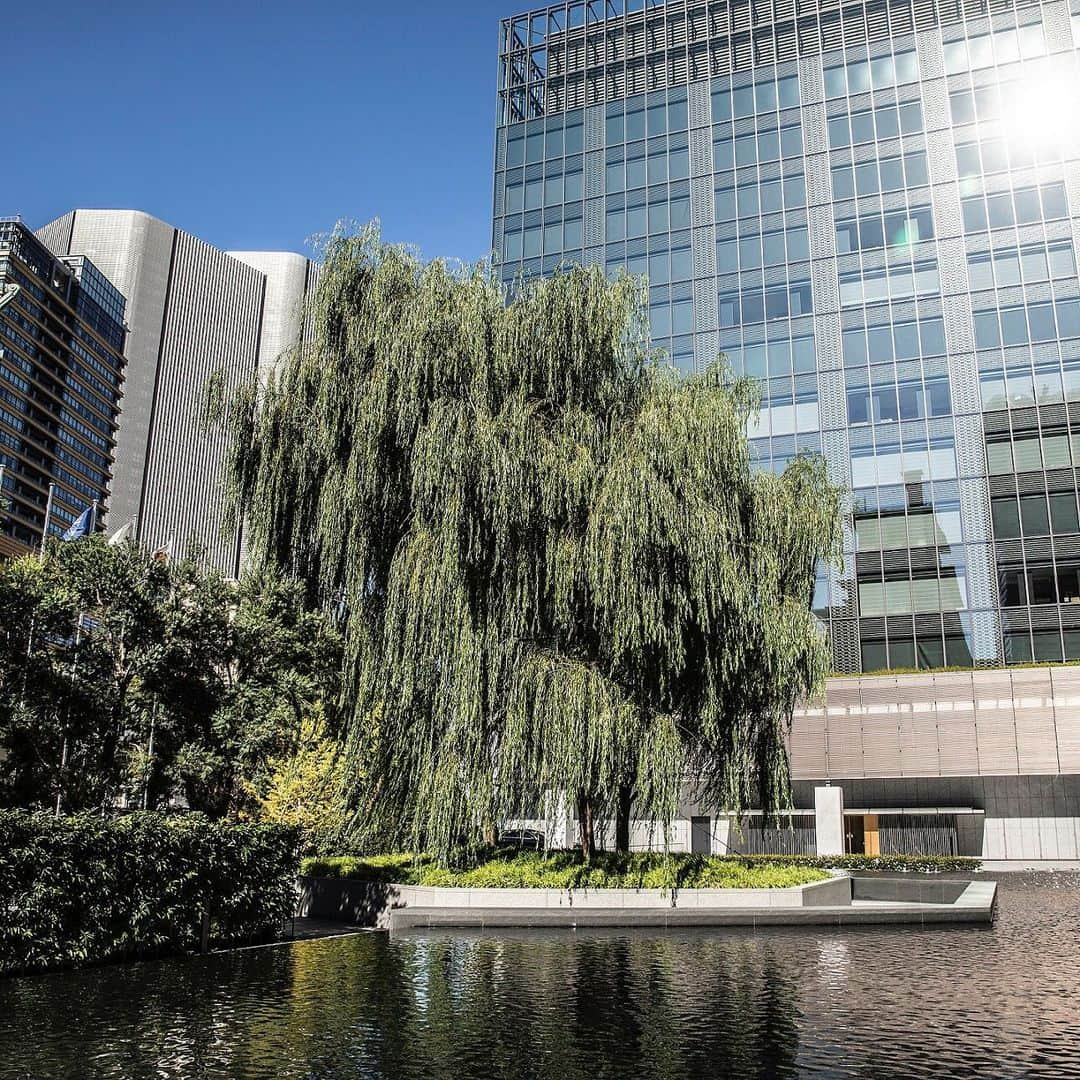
pixel 829 820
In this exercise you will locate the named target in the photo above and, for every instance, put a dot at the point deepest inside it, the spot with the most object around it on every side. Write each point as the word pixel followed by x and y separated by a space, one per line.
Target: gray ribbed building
pixel 192 310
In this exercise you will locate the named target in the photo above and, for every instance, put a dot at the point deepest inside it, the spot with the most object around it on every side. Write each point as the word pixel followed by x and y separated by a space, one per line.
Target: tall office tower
pixel 61 373
pixel 871 209
pixel 290 280
pixel 193 311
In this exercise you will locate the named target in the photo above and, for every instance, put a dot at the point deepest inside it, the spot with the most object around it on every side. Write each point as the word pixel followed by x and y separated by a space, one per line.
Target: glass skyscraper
pixel 62 336
pixel 870 208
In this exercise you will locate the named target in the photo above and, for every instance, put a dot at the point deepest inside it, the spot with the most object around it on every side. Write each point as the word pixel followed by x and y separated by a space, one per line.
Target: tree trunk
pixel 622 818
pixel 586 825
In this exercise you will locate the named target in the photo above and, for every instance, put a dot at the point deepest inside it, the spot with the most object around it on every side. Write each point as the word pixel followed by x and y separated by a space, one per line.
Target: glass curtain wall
pixel 872 213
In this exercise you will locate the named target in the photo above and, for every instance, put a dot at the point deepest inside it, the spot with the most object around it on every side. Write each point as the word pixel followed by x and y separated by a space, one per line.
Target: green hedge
pixel 567 870
pixel 82 890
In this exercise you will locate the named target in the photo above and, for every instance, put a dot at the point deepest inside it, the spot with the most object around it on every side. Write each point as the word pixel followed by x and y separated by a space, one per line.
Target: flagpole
pixel 93 518
pixel 48 516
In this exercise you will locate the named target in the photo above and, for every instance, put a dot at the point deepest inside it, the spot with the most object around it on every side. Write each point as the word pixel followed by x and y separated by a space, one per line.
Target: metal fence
pixel 756 840
pixel 917 835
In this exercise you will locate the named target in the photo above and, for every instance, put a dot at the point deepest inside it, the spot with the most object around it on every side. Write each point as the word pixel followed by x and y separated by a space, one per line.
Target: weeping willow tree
pixel 556 569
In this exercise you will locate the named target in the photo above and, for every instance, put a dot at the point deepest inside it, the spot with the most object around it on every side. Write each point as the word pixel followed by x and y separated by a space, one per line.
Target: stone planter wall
pixel 370 904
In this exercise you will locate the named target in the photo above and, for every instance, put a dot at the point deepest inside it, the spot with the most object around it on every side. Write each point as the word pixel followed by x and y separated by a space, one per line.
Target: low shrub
pixel 919 864
pixel 83 889
pixel 389 869
pixel 567 870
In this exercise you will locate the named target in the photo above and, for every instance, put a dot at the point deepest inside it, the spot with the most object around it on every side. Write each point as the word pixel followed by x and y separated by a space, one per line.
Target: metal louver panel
pixel 844 746
pixel 809 756
pixel 918 734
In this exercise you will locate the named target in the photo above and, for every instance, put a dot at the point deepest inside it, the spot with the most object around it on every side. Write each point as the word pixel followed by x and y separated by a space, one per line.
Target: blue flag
pixel 81 526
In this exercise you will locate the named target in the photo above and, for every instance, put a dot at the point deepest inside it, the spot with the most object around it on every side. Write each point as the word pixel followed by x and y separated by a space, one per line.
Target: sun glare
pixel 1040 112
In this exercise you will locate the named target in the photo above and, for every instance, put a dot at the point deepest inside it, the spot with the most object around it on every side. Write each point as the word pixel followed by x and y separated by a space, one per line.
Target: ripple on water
pixel 997 1002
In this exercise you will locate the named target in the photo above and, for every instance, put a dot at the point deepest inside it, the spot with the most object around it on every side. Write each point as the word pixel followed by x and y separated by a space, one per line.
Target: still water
pixel 1001 1002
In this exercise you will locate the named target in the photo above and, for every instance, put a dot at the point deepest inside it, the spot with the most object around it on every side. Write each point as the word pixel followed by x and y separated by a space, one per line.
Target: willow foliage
pixel 557 570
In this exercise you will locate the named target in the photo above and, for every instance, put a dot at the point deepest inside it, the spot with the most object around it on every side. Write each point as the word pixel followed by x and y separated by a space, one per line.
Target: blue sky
pixel 256 125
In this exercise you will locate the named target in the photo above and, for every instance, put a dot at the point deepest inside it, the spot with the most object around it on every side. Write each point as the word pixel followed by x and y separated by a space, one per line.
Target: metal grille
pixel 986 638
pixel 917 835
pixel 832 400
pixel 818 181
pixel 982 577
pixel 698 106
pixel 822 233
pixel 953 267
pixel 935 95
pixel 706 349
pixel 759 840
pixel 703 249
pixel 946 206
pixel 827 335
pixel 1055 19
pixel 975 509
pixel 594 174
pixel 969 446
pixel 825 287
pixel 594 222
pixel 594 128
pixel 701 161
pixel 959 328
pixel 964 384
pixel 705 306
pixel 941 157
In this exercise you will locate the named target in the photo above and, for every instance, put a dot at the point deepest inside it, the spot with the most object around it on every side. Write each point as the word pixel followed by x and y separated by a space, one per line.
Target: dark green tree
pixel 559 572
pixel 279 664
pixel 128 678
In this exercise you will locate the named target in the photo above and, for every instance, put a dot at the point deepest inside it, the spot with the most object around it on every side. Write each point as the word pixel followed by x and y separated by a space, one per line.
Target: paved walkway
pixel 1020 865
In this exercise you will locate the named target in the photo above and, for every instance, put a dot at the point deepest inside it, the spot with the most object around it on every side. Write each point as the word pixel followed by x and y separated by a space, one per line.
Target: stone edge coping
pixel 416 918
pixel 401 907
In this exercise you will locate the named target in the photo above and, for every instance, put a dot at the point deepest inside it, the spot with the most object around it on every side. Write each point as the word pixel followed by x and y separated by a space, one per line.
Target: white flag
pixel 121 534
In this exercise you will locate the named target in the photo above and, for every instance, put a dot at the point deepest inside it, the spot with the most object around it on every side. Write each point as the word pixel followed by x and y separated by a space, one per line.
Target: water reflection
pixel 689 1003
pixel 834 961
